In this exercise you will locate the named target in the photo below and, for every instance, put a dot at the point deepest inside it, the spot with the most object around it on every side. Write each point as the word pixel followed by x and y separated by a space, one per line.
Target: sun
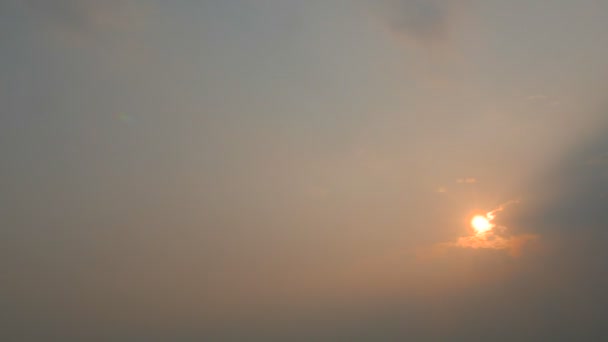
pixel 481 224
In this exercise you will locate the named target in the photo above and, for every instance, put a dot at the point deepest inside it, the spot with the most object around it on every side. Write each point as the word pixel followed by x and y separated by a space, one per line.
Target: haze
pixel 283 170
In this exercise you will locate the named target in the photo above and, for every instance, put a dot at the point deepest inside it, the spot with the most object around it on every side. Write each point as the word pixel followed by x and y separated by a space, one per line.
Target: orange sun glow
pixel 481 224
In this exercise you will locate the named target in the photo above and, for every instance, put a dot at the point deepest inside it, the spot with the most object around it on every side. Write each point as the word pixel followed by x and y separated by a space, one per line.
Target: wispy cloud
pixel 537 97
pixel 513 244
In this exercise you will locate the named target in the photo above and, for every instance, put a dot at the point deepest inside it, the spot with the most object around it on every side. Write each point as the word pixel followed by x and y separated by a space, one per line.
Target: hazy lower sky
pixel 286 170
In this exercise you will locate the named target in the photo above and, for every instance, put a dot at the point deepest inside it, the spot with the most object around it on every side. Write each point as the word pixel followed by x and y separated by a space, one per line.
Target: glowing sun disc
pixel 481 224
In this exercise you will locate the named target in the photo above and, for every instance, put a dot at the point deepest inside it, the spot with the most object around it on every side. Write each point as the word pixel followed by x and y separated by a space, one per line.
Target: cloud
pixel 537 97
pixel 502 207
pixel 513 244
pixel 468 180
pixel 601 159
pixel 496 237
pixel 426 22
pixel 543 99
pixel 85 17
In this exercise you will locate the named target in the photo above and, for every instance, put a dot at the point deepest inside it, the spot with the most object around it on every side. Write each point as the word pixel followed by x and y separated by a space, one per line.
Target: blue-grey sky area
pixel 285 170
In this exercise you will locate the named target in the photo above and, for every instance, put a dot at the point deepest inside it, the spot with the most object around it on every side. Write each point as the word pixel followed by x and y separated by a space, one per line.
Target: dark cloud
pixel 424 21
pixel 571 197
pixel 601 159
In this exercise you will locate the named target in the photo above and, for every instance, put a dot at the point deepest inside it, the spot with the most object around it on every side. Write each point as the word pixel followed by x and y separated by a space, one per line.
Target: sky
pixel 284 170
